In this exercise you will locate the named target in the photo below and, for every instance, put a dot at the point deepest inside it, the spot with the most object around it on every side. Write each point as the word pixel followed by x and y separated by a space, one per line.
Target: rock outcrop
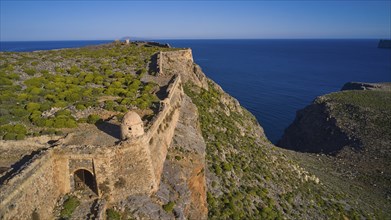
pixel 366 86
pixel 354 127
pixel 315 131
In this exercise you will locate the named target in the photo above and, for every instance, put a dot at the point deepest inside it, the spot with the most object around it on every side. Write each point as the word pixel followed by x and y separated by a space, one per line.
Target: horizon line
pixel 151 39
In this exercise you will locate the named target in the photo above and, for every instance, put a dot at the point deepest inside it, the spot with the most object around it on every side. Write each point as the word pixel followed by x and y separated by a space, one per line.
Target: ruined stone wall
pixel 133 171
pixel 31 192
pixel 95 160
pixel 160 134
pixel 39 184
pixel 180 62
pixel 139 162
pixel 131 167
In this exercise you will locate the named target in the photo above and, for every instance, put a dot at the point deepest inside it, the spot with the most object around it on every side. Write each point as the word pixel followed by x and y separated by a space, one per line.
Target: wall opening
pixel 85 181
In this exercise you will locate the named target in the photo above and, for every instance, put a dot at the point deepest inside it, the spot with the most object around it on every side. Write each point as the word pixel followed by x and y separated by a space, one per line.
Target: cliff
pixel 202 155
pixel 366 86
pixel 353 127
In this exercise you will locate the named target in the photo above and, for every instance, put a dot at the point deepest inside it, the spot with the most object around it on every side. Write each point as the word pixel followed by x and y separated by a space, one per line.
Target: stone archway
pixel 84 180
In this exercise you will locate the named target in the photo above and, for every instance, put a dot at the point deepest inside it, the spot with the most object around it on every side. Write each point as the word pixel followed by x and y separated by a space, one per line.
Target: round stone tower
pixel 132 126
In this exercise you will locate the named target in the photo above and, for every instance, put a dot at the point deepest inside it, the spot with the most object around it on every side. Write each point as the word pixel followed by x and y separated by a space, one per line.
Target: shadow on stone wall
pixel 153 68
pixel 18 165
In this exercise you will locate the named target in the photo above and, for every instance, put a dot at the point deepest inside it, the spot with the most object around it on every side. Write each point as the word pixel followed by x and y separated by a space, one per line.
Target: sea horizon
pixel 282 75
pixel 152 39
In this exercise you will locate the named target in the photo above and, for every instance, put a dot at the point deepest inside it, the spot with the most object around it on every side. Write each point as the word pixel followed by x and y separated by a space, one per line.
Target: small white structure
pixel 127 41
pixel 132 126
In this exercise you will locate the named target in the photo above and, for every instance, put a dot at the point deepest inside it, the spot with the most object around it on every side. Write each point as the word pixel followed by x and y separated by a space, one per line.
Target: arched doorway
pixel 84 180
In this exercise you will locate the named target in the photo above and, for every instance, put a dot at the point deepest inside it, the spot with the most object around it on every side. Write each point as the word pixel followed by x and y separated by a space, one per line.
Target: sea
pixel 271 78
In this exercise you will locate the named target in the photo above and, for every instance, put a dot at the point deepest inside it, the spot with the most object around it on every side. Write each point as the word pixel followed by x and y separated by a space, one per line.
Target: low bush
pixel 112 214
pixel 31 107
pixel 169 206
pixel 92 119
pixel 80 107
pixel 13 132
pixel 69 207
pixel 30 72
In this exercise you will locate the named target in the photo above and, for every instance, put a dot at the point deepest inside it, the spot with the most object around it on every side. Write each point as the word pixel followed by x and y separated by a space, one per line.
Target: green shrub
pixel 49 131
pixel 120 108
pixel 109 105
pixel 32 106
pixel 59 69
pixel 92 119
pixel 80 107
pixel 60 104
pixel 73 70
pixel 19 112
pixel 64 112
pixel 112 214
pixel 169 206
pixel 36 82
pixel 5 82
pixel 69 207
pixel 9 136
pixel 45 106
pixel 88 78
pixel 63 121
pixel 13 76
pixel 20 137
pixel 13 132
pixel 30 72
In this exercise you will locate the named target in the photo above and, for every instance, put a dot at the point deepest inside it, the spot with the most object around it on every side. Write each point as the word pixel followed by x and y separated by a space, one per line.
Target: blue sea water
pixel 273 78
pixel 26 46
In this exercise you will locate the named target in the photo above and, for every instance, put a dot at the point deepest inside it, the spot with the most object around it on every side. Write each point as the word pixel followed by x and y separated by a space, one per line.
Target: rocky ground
pixel 349 136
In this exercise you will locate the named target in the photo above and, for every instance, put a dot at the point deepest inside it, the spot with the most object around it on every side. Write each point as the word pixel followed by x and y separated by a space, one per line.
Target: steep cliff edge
pixel 354 127
pixel 366 86
pixel 248 177
pixel 219 164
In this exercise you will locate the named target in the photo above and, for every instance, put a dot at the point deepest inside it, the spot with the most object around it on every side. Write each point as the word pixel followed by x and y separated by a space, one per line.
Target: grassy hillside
pixel 44 91
pixel 249 178
pixel 356 125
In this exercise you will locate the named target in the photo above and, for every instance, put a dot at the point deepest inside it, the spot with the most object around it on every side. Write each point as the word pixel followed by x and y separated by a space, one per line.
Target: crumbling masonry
pixel 133 166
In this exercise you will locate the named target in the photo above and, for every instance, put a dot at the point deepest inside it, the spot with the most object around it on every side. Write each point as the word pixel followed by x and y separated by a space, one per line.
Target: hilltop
pixel 218 165
pixel 350 132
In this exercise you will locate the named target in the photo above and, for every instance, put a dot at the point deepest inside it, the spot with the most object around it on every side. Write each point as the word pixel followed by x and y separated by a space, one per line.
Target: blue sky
pixel 98 20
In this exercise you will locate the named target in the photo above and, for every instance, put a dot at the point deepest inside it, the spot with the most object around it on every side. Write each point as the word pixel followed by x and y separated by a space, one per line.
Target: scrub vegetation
pixel 252 179
pixel 45 89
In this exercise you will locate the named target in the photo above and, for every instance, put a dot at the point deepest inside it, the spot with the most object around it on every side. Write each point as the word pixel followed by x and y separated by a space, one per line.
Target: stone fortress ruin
pixel 130 166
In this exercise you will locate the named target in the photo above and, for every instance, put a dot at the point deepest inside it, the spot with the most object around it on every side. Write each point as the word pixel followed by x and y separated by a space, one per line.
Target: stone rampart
pixel 131 167
pixel 31 193
pixel 160 134
pixel 180 62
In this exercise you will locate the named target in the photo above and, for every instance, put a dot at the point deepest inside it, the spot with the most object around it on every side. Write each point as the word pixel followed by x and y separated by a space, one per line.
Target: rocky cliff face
pixel 354 127
pixel 366 86
pixel 249 178
pixel 246 176
pixel 220 165
pixel 315 131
